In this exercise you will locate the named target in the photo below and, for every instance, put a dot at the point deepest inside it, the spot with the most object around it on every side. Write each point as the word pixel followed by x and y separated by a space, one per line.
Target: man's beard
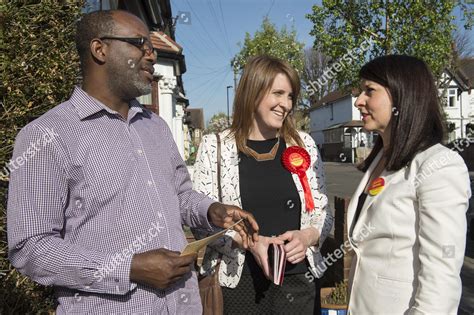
pixel 138 86
pixel 127 80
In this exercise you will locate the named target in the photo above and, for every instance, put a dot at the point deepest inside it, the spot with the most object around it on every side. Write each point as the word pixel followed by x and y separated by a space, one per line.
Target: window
pixel 470 130
pixel 96 5
pixel 332 111
pixel 333 135
pixel 374 136
pixel 451 98
pixel 451 126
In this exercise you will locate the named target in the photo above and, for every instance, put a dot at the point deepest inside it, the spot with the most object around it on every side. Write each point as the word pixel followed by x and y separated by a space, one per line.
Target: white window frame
pixel 452 101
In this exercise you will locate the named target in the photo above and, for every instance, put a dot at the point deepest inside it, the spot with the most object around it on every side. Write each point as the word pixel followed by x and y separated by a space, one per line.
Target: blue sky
pixel 209 32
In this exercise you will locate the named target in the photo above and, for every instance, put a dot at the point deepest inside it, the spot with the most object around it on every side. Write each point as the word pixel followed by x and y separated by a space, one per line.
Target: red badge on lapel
pixel 297 160
pixel 376 186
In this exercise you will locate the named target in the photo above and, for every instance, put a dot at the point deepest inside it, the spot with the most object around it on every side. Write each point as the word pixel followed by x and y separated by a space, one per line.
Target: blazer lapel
pixel 230 171
pixel 387 176
pixel 351 209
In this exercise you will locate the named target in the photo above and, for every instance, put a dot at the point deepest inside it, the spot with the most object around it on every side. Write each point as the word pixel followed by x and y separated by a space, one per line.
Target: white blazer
pixel 205 181
pixel 409 240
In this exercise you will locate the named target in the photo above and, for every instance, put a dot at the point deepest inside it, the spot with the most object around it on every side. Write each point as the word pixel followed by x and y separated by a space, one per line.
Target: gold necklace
pixel 264 156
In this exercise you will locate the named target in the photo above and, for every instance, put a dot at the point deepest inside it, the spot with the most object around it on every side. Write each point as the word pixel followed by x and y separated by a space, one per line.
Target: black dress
pixel 268 191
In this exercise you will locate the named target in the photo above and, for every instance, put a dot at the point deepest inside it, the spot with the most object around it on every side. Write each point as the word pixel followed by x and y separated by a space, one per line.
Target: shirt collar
pixel 87 105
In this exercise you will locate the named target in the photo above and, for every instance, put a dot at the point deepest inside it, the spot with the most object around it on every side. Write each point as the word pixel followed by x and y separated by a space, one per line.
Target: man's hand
pixel 160 268
pixel 298 243
pixel 224 216
pixel 260 252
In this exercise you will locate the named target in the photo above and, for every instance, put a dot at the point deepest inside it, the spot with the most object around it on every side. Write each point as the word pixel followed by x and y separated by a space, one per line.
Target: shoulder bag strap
pixel 219 189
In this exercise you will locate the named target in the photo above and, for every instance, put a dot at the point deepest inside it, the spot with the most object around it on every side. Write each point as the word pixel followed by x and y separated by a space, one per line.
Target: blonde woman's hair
pixel 256 81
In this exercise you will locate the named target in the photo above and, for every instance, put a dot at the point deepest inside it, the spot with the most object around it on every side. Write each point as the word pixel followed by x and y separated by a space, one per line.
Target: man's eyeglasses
pixel 141 43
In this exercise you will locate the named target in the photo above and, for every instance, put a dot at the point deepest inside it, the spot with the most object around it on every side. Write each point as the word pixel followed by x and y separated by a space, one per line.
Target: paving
pixel 467 276
pixel 343 178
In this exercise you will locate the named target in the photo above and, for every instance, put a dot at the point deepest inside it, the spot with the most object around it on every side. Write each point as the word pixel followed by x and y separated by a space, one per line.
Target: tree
pixel 268 40
pixel 217 123
pixel 417 28
pixel 463 46
pixel 315 65
pixel 39 70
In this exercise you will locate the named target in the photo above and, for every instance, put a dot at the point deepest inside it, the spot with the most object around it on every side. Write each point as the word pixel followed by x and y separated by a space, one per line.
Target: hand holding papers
pixel 195 246
pixel 223 216
pixel 277 262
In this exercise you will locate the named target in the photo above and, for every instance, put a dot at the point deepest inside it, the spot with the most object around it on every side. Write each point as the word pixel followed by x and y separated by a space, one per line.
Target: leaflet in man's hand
pixel 277 262
pixel 195 246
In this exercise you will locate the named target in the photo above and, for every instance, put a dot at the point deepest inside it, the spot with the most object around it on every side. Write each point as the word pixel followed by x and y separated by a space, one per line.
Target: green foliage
pixel 338 296
pixel 192 158
pixel 301 119
pixel 268 40
pixel 467 8
pixel 39 70
pixel 417 28
pixel 217 123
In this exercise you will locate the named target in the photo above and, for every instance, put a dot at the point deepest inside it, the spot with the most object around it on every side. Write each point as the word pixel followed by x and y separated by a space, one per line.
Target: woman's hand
pixel 260 252
pixel 298 243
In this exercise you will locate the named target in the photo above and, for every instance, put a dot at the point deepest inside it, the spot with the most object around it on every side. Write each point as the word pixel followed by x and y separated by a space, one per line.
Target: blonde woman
pixel 293 207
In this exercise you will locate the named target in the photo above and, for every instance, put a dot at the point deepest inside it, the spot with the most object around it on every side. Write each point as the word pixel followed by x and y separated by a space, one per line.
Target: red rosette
pixel 297 160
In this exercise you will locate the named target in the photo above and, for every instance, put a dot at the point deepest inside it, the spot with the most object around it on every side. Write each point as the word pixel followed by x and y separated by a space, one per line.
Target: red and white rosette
pixel 297 160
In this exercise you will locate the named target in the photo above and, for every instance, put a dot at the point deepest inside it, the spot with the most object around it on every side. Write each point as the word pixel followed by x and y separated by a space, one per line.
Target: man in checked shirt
pixel 97 212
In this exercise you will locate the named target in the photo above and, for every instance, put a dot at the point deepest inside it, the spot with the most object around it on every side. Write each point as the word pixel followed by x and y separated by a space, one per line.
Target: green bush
pixel 338 296
pixel 39 69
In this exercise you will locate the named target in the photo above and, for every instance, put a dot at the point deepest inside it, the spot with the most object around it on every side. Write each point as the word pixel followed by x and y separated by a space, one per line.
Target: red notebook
pixel 277 262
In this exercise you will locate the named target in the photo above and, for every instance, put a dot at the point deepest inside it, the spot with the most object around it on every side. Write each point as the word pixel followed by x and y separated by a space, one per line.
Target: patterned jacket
pixel 205 181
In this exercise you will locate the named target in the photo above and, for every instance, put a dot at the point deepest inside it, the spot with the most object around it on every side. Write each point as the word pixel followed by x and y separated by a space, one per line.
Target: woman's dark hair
pixel 416 122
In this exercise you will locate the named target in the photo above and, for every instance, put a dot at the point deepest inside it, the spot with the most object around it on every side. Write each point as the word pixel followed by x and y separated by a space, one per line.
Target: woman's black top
pixel 268 191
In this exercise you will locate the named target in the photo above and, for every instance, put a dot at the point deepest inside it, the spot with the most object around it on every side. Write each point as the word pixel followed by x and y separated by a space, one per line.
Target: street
pixel 343 178
pixel 467 276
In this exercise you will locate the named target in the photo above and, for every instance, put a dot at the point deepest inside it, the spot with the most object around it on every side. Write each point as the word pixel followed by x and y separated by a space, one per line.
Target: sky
pixel 210 31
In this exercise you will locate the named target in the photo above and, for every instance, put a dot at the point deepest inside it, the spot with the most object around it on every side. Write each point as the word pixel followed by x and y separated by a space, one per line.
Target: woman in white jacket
pixel 406 220
pixel 293 207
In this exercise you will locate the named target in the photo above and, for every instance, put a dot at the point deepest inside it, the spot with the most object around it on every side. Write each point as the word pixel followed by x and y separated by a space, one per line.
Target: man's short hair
pixel 92 25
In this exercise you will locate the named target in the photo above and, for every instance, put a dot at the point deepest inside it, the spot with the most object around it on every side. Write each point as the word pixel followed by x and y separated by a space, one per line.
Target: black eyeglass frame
pixel 141 43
